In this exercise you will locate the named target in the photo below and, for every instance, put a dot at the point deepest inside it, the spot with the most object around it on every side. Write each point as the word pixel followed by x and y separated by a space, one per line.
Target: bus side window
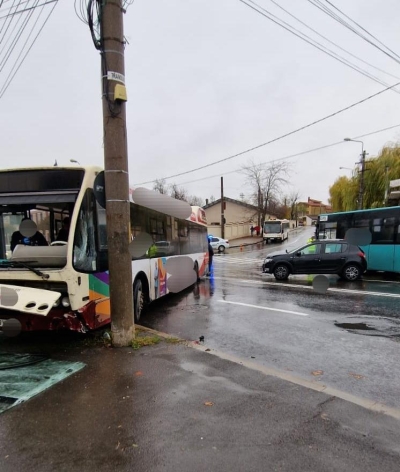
pixel 383 231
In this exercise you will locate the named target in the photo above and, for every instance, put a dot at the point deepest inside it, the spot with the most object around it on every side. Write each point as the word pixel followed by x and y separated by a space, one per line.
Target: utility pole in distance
pixel 116 173
pixel 222 210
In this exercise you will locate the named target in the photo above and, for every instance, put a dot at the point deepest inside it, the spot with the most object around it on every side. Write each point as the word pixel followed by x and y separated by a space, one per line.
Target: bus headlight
pixel 65 302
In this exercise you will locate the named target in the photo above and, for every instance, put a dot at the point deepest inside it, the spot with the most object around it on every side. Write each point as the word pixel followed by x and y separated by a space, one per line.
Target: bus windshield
pixel 45 197
pixel 272 227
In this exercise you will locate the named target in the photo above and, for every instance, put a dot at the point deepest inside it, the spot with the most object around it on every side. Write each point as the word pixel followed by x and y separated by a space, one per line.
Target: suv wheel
pixel 351 272
pixel 281 272
pixel 221 248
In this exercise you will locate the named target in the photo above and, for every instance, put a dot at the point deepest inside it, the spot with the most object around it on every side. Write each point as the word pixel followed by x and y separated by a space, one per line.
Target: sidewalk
pixel 176 407
pixel 246 241
pixel 250 240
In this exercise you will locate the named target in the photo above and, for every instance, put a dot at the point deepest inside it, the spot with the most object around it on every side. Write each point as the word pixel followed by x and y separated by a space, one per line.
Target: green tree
pixel 379 171
pixel 343 194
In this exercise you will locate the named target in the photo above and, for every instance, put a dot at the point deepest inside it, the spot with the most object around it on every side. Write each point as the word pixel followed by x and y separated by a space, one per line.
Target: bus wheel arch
pixel 140 295
pixel 196 269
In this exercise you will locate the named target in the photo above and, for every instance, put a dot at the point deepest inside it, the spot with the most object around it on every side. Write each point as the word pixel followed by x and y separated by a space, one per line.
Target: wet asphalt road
pixel 347 338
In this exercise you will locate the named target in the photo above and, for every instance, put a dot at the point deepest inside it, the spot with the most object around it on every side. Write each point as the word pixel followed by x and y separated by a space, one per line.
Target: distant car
pixel 164 248
pixel 330 256
pixel 219 244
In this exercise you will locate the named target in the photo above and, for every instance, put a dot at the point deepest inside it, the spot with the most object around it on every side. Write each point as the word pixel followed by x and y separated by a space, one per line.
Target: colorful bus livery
pixel 276 230
pixel 383 227
pixel 65 284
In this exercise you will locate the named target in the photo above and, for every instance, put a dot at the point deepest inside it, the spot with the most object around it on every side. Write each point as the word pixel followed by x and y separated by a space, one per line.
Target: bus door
pixel 396 258
pixel 381 251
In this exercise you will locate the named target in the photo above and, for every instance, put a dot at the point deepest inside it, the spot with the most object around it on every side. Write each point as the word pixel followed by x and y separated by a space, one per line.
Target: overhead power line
pixel 302 153
pixel 20 28
pixel 357 24
pixel 278 138
pixel 283 24
pixel 18 12
pixel 332 42
pixel 324 8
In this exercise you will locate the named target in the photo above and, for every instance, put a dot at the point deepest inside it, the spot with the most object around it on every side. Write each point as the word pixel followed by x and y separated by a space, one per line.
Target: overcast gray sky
pixel 207 79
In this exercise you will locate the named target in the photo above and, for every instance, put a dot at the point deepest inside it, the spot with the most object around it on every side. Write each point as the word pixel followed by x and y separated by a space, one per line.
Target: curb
pixel 246 244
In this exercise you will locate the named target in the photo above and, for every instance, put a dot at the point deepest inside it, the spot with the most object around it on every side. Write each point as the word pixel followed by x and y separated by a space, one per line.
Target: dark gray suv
pixel 330 256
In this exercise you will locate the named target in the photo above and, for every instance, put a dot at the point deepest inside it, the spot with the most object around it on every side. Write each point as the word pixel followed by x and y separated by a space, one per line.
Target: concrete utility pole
pixel 222 210
pixel 361 188
pixel 362 171
pixel 116 173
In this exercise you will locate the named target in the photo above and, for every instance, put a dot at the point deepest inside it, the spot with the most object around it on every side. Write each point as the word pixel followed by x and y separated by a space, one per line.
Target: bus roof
pixel 360 211
pixel 152 199
pixel 198 216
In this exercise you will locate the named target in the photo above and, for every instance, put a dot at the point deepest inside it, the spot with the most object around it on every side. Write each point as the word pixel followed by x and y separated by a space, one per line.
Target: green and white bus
pixel 382 225
pixel 64 284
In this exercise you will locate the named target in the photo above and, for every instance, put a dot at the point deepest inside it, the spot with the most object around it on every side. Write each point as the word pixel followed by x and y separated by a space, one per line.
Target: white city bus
pixel 276 230
pixel 65 284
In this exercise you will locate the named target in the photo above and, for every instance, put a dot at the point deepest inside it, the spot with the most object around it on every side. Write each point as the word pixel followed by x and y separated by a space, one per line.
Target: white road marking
pixel 259 307
pixel 235 258
pixel 310 287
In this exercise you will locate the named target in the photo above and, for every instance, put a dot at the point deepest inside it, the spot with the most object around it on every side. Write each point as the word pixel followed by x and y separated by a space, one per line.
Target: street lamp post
pixel 362 162
pixel 347 168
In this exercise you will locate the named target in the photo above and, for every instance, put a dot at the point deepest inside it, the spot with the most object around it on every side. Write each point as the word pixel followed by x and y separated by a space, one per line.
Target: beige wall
pixel 232 231
pixel 233 214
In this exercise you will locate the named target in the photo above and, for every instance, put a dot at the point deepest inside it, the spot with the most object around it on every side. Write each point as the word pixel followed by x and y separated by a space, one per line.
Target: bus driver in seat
pixel 64 231
pixel 27 235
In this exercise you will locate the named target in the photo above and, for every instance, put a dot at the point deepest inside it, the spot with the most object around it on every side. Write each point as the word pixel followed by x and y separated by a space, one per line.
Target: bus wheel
pixel 196 269
pixel 138 300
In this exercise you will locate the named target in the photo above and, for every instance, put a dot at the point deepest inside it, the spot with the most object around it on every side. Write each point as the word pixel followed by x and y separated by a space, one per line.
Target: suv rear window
pixel 332 248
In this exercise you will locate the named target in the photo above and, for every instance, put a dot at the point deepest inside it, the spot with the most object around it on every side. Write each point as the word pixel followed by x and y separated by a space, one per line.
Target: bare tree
pixel 160 186
pixel 266 181
pixel 178 192
pixel 291 204
pixel 195 201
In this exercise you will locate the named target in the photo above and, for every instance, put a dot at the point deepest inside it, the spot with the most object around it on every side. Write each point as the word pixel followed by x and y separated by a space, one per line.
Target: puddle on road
pixel 383 327
pixel 358 326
